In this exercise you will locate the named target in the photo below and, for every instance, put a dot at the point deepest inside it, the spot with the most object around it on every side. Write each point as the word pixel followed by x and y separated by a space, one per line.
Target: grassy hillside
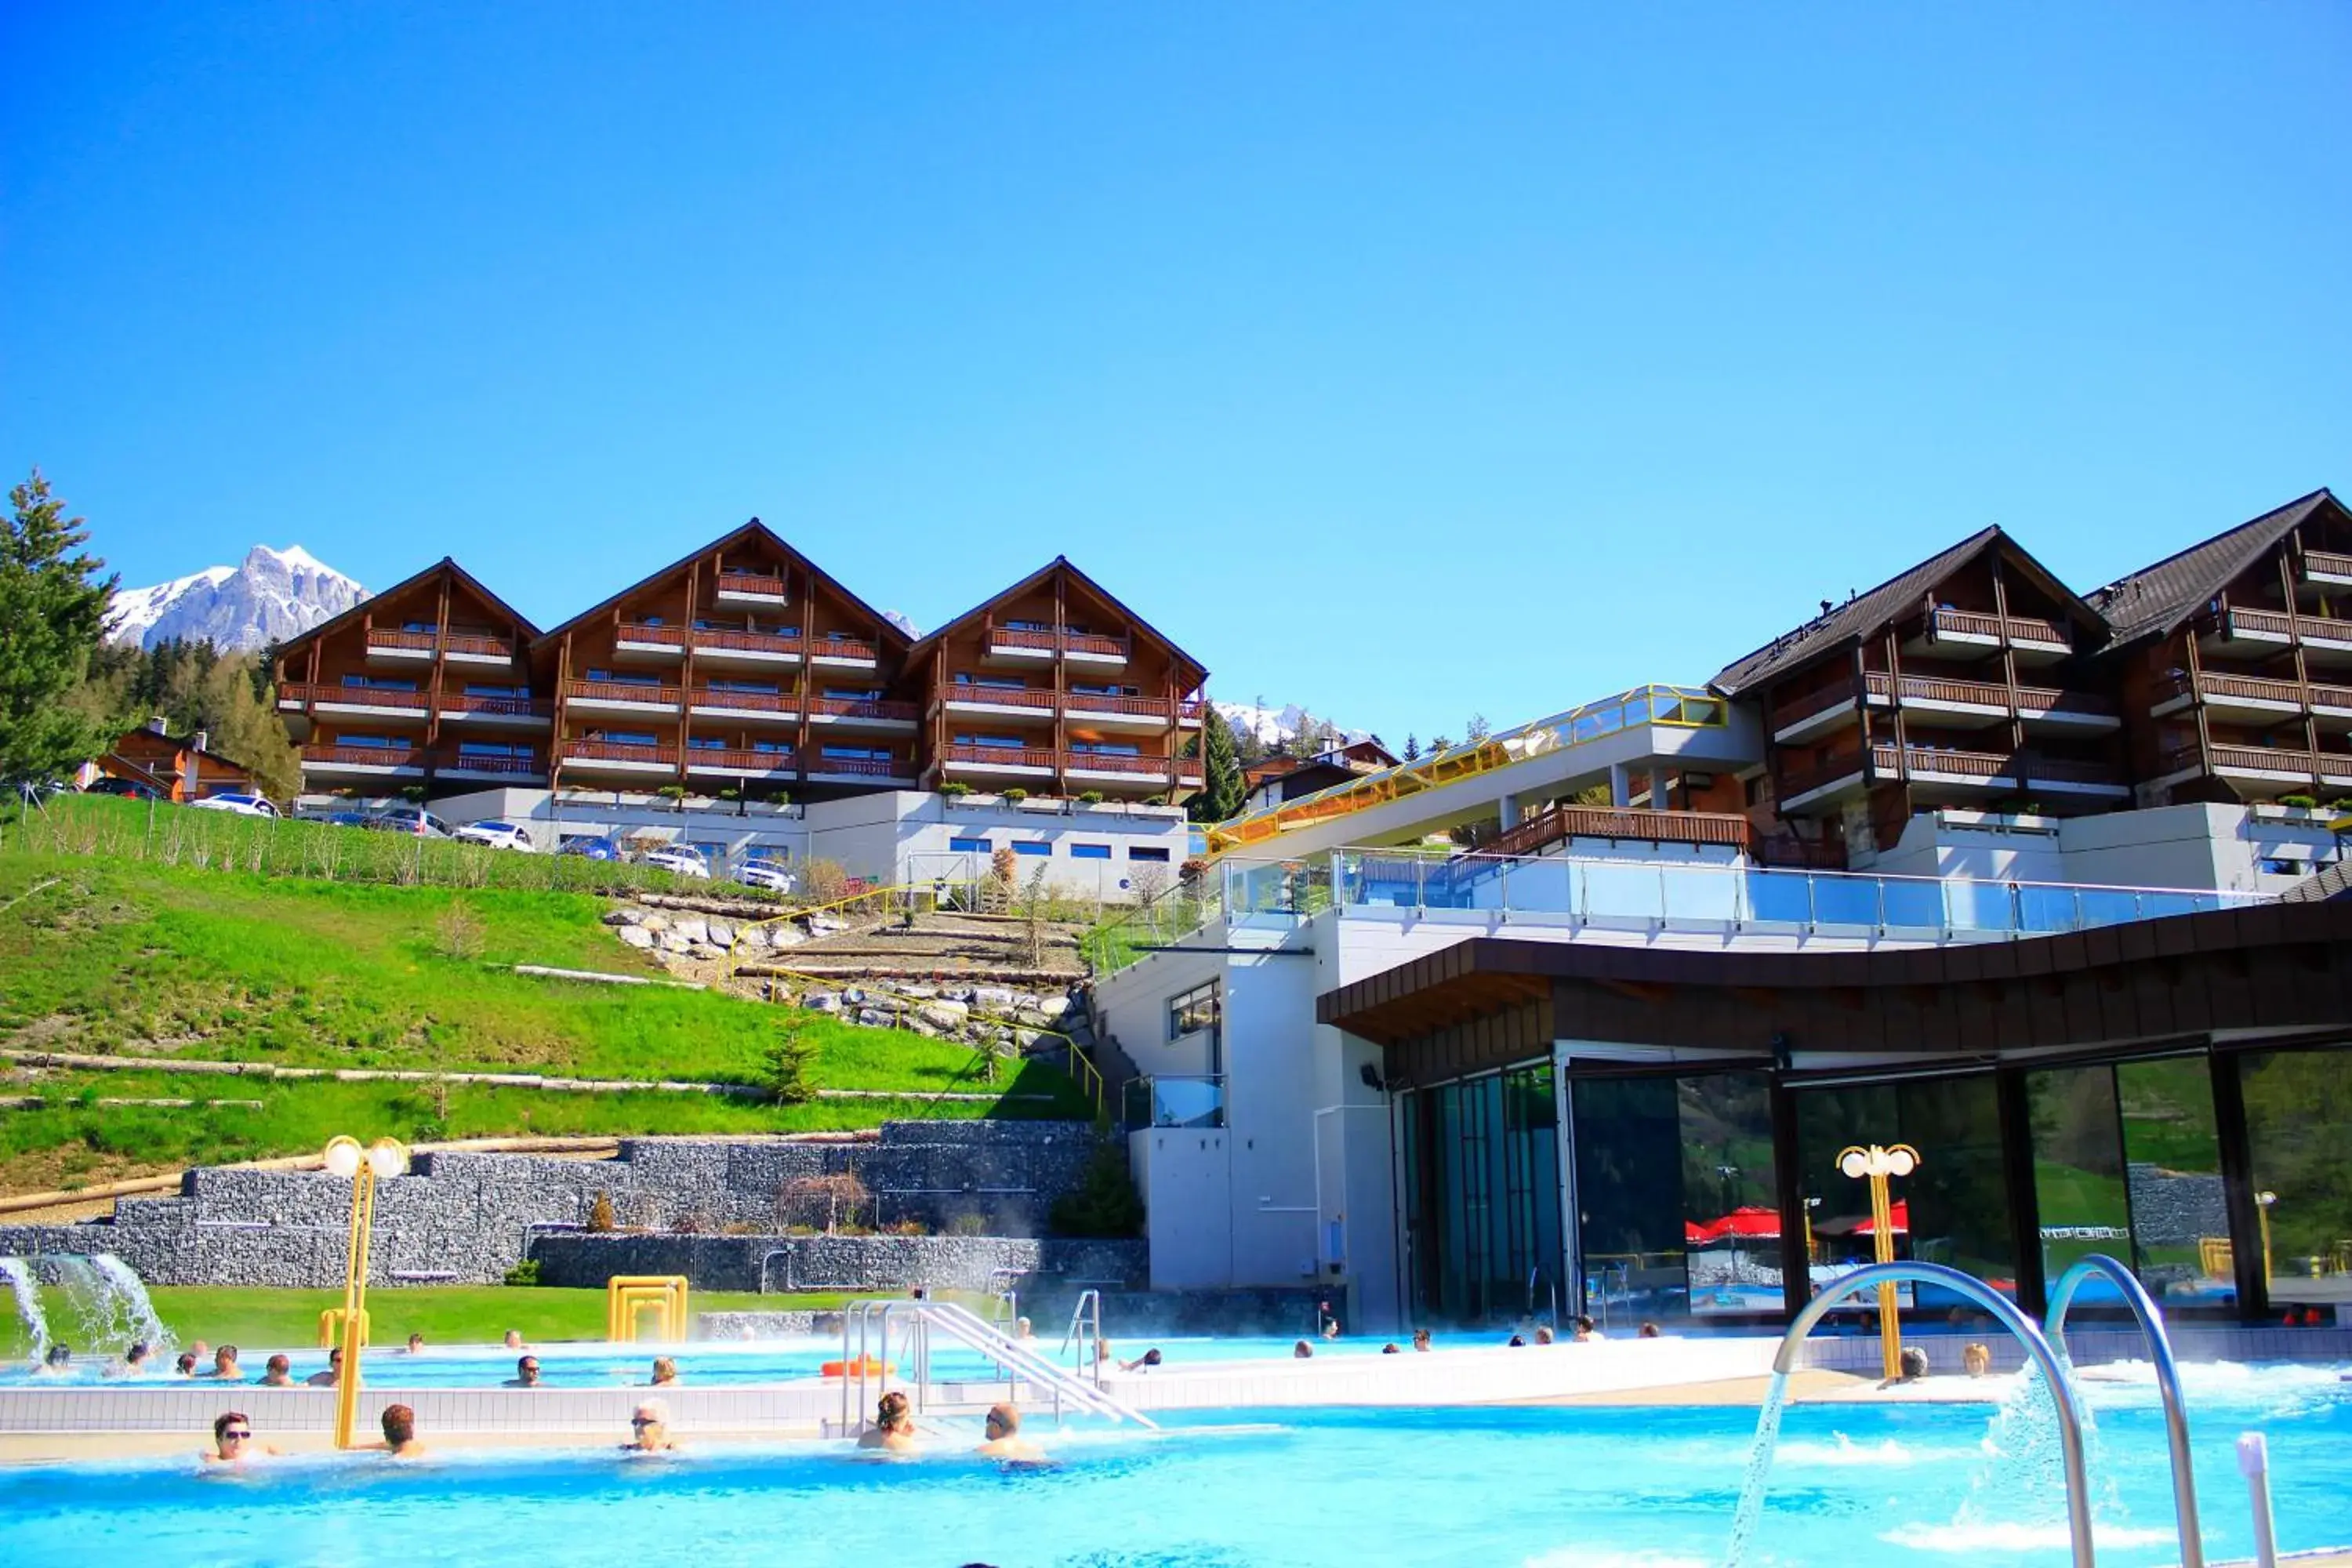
pixel 136 958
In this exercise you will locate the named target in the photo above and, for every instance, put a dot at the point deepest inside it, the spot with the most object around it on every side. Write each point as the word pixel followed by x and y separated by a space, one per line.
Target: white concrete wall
pixel 2198 847
pixel 1186 1179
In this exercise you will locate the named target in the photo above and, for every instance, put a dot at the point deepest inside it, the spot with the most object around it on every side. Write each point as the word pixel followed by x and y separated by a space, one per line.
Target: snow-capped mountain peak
pixel 270 595
pixel 1278 727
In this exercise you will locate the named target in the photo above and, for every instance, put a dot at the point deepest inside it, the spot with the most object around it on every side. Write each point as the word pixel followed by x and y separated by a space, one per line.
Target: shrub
pixel 907 1227
pixel 968 1224
pixel 824 881
pixel 2305 801
pixel 1104 1205
pixel 778 797
pixel 523 1273
pixel 1091 798
pixel 673 794
pixel 1193 870
pixel 955 789
pixel 460 931
pixel 600 1214
pixel 1015 795
pixel 834 1202
pixel 790 1064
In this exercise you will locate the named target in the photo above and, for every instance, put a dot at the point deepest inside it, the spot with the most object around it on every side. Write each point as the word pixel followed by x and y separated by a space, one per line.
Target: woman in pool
pixel 57 1363
pixel 649 1429
pixel 1421 1340
pixel 893 1431
pixel 665 1373
pixel 233 1441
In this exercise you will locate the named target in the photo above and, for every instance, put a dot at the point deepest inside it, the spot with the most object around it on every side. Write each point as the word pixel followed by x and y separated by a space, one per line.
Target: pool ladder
pixel 2045 1354
pixel 865 1342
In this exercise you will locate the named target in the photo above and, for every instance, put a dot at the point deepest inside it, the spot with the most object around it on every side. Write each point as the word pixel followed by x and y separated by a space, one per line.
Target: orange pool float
pixel 873 1366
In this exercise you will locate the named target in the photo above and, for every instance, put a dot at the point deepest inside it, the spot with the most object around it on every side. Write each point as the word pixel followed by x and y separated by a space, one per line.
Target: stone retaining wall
pixel 864 1264
pixel 466 1218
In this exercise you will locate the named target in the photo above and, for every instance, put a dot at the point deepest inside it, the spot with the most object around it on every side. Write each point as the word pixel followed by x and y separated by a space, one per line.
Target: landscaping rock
pixel 873 1018
pixel 689 928
pixel 995 996
pixel 944 1016
pixel 822 1002
pixel 1053 1006
pixel 635 936
pixel 722 935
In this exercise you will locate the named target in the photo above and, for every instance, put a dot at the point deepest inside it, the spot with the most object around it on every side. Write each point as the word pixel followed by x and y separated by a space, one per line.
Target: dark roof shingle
pixel 1851 619
pixel 2158 598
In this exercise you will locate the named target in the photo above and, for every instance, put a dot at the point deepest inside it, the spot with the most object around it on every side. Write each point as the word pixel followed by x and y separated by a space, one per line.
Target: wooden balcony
pixel 2279 765
pixel 846 651
pixel 849 713
pixel 1157 708
pixel 621 696
pixel 1084 764
pixel 355 699
pixel 998 759
pixel 2277 628
pixel 2327 568
pixel 393 639
pixel 880 770
pixel 782 707
pixel 1974 626
pixel 385 761
pixel 1027 643
pixel 1564 822
pixel 1995 772
pixel 646 639
pixel 1793 785
pixel 614 756
pixel 736 762
pixel 969 695
pixel 723 643
pixel 460 707
pixel 749 587
pixel 450 764
pixel 476 648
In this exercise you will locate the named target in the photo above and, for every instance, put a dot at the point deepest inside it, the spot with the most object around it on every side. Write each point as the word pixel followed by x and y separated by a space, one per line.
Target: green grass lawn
pixel 136 958
pixel 443 1314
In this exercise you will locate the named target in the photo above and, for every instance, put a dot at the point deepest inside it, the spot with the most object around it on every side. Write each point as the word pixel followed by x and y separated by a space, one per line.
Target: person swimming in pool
pixel 333 1372
pixel 137 1360
pixel 514 1339
pixel 1585 1331
pixel 1421 1341
pixel 893 1431
pixel 665 1373
pixel 233 1442
pixel 525 1374
pixel 399 1423
pixel 1022 1334
pixel 225 1365
pixel 186 1365
pixel 1150 1358
pixel 1302 1351
pixel 1544 1335
pixel 278 1371
pixel 649 1429
pixel 416 1344
pixel 1004 1440
pixel 57 1363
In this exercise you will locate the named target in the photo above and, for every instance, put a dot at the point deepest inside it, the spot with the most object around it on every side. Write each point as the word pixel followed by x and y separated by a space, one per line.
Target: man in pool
pixel 893 1431
pixel 1022 1334
pixel 1421 1340
pixel 400 1433
pixel 333 1374
pixel 1585 1332
pixel 224 1364
pixel 416 1344
pixel 278 1371
pixel 649 1429
pixel 1302 1351
pixel 1004 1438
pixel 233 1441
pixel 1544 1335
pixel 57 1363
pixel 525 1374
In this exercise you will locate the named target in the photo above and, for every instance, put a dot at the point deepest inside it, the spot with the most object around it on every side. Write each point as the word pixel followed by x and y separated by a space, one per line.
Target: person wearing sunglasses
pixel 1004 1438
pixel 649 1429
pixel 233 1442
pixel 526 1372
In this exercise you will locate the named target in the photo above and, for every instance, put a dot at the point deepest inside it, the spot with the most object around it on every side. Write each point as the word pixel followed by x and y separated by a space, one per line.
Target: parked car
pixel 496 835
pixel 681 859
pixel 342 818
pixel 128 789
pixel 242 805
pixel 593 846
pixel 767 874
pixel 408 819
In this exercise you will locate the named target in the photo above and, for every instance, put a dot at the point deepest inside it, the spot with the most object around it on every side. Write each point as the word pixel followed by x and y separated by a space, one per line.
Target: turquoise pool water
pixel 1595 1489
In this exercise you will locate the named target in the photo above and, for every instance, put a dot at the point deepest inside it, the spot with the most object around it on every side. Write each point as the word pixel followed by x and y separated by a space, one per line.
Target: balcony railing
pixel 785 703
pixel 1190 713
pixel 2280 759
pixel 731 760
pixel 407 641
pixel 840 648
pixel 864 707
pixel 1129 706
pixel 1689 895
pixel 1563 822
pixel 2278 624
pixel 735 640
pixel 505 767
pixel 476 644
pixel 2018 766
pixel 2040 699
pixel 509 706
pixel 1114 762
pixel 357 696
pixel 1047 640
pixel 1796 780
pixel 747 582
pixel 999 696
pixel 1813 704
pixel 1167 1099
pixel 615 751
pixel 363 756
pixel 623 692
pixel 1001 756
pixel 645 632
pixel 2014 628
pixel 2328 564
pixel 862 767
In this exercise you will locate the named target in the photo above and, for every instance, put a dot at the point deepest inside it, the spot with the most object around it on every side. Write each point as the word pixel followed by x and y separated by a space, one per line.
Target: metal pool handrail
pixel 2168 1382
pixel 2003 1312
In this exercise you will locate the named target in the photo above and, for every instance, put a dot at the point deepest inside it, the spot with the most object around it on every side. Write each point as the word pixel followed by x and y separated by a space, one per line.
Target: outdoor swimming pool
pixel 703 1363
pixel 1588 1487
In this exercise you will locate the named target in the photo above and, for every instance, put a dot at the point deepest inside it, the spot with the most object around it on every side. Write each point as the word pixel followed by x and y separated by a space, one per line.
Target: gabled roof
pixel 1063 563
pixel 2158 598
pixel 177 742
pixel 891 631
pixel 446 564
pixel 1864 613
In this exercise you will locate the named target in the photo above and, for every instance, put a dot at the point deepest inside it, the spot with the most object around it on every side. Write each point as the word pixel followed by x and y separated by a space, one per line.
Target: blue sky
pixel 1398 360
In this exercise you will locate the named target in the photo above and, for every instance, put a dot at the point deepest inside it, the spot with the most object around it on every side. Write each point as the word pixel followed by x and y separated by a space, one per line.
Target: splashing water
pixel 129 1305
pixel 1760 1469
pixel 28 1303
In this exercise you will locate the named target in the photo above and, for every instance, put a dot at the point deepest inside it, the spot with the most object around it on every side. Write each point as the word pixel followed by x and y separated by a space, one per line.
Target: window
pixel 1032 846
pixel 850 693
pixel 1157 852
pixel 492 749
pixel 651 621
pixel 773 748
pixel 969 846
pixel 1009 743
pixel 624 678
pixel 1192 1011
pixel 379 742
pixel 628 738
pixel 1027 626
pixel 704 743
pixel 420 627
pixel 474 688
pixel 856 754
pixel 1107 748
pixel 1096 688
pixel 1089 851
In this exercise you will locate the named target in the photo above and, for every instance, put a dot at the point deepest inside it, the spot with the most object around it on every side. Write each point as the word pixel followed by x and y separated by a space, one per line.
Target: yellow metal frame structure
pixel 330 1327
pixel 1681 706
pixel 351 1318
pixel 1877 1165
pixel 628 1296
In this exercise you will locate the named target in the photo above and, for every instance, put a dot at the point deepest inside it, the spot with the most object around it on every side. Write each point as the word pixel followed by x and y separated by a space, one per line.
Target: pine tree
pixel 1222 786
pixel 1411 747
pixel 1476 730
pixel 1439 744
pixel 52 614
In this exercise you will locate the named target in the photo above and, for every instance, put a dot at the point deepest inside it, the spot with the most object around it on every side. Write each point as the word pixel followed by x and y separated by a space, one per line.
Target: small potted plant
pixel 1015 795
pixel 1091 798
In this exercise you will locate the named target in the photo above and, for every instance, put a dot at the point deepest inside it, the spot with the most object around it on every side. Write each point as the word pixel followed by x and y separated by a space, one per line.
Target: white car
pixel 767 874
pixel 683 858
pixel 496 835
pixel 243 804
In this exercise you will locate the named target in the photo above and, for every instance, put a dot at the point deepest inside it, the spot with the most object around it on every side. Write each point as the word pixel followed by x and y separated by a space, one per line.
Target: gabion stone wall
pixel 856 1263
pixel 459 1218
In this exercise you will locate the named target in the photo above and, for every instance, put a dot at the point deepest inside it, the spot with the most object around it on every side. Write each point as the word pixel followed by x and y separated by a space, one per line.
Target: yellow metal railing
pixel 1682 707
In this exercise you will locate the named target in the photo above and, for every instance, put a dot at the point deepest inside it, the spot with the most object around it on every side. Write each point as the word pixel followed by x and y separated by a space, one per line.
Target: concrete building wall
pixel 2203 847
